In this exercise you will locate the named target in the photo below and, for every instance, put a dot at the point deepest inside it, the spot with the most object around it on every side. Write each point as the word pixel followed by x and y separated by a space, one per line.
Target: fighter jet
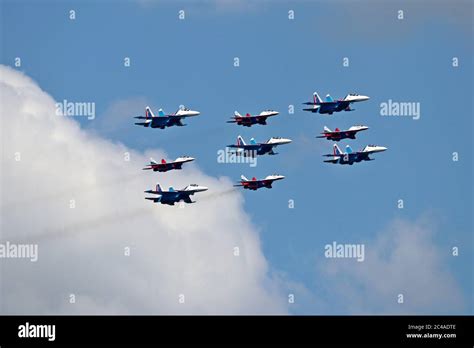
pixel 249 120
pixel 337 134
pixel 162 120
pixel 173 196
pixel 166 166
pixel 349 157
pixel 255 184
pixel 330 105
pixel 254 148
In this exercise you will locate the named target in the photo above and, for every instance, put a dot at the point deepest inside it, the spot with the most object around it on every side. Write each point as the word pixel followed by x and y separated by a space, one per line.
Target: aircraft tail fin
pixel 158 188
pixel 152 161
pixel 236 113
pixel 243 178
pixel 316 99
pixel 326 129
pixel 148 112
pixel 337 150
pixel 240 141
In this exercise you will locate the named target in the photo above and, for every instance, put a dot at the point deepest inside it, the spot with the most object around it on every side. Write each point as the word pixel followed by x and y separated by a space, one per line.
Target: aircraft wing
pixel 153 192
pixel 267 147
pixel 339 132
pixel 267 181
pixel 329 134
pixel 159 121
pixel 178 116
pixel 315 107
pixel 152 166
pixel 145 124
pixel 154 199
pixel 176 120
pixel 343 104
pixel 247 118
pixel 262 119
pixel 176 165
pixel 351 131
pixel 365 153
pixel 333 160
pixel 187 199
pixel 246 146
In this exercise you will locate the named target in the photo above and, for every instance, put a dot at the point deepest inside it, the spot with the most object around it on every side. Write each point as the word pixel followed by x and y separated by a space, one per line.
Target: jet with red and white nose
pixel 337 134
pixel 255 184
pixel 163 120
pixel 248 120
pixel 350 157
pixel 166 166
pixel 253 149
pixel 330 105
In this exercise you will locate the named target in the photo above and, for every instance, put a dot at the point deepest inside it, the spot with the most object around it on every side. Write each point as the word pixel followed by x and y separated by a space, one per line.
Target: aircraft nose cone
pixel 202 188
pixel 364 97
pixel 382 148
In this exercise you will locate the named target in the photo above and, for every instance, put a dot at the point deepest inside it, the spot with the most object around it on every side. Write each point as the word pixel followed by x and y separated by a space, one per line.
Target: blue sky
pixel 282 62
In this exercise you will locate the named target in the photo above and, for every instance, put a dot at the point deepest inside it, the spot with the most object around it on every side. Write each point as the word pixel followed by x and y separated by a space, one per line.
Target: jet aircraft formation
pixel 254 148
pixel 329 106
pixel 163 121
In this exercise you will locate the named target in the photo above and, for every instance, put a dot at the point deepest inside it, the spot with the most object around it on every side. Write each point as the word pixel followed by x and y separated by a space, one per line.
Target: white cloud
pixel 402 259
pixel 81 251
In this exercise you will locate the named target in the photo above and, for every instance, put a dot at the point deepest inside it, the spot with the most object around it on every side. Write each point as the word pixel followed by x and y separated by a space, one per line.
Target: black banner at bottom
pixel 290 330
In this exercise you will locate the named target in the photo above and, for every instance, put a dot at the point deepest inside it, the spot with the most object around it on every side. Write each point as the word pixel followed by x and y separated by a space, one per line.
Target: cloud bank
pixel 177 254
